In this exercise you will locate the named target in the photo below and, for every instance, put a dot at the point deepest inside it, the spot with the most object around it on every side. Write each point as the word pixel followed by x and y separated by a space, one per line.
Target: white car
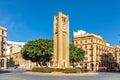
pixel 78 66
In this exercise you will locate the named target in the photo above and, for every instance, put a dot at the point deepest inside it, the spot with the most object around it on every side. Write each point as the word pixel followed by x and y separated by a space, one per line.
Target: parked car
pixel 78 66
pixel 102 68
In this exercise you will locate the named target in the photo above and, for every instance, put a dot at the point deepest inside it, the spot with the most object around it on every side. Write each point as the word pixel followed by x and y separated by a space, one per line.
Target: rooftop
pixel 81 33
pixel 3 28
pixel 16 43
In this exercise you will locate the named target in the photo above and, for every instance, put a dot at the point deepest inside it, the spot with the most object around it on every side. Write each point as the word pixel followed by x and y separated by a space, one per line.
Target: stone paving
pixel 19 75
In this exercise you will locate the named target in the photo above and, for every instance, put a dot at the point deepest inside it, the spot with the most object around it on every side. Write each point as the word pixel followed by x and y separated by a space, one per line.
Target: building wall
pixel 16 47
pixel 18 61
pixel 15 57
pixel 3 37
pixel 97 52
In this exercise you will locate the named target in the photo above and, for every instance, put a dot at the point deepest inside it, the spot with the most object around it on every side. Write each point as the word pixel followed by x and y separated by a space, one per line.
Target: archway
pixel 92 66
pixel 86 66
pixel 2 62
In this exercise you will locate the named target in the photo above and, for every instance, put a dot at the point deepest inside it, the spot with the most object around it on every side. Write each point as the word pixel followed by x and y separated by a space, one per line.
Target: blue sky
pixel 33 19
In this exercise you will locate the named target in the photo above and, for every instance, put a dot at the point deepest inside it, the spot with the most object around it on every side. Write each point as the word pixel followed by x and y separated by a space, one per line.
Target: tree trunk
pixel 40 63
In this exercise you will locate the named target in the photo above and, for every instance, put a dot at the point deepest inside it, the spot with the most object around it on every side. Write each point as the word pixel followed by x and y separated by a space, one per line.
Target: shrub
pixel 82 70
pixel 71 70
pixel 59 69
pixel 34 69
pixel 66 70
pixel 44 70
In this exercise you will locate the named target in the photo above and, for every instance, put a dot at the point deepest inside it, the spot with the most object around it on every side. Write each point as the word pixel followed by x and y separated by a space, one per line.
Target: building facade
pixel 97 51
pixel 61 41
pixel 15 58
pixel 3 38
pixel 17 61
pixel 16 47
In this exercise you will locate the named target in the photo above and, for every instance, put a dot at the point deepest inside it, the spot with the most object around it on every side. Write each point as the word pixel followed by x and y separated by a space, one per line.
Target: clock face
pixel 64 27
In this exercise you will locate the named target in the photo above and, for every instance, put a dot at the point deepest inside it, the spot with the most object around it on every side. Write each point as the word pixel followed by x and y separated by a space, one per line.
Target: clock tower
pixel 61 41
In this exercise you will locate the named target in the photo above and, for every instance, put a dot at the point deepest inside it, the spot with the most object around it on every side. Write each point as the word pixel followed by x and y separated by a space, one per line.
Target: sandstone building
pixel 15 57
pixel 61 41
pixel 97 51
pixel 3 38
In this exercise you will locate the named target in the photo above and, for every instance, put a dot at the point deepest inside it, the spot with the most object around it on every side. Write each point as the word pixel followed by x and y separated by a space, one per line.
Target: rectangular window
pixel 63 19
pixel 2 39
pixel 2 32
pixel 76 42
pixel 81 41
pixel 86 58
pixel 57 19
pixel 91 40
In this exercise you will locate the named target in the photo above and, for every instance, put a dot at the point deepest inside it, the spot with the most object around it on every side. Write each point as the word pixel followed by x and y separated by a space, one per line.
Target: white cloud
pixel 107 44
pixel 82 32
pixel 79 32
pixel 16 43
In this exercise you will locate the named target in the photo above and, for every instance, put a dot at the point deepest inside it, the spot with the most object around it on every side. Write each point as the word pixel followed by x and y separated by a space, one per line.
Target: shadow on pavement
pixel 4 71
pixel 109 72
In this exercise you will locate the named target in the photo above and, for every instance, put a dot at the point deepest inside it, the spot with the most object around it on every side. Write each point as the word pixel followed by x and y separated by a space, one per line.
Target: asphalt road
pixel 19 75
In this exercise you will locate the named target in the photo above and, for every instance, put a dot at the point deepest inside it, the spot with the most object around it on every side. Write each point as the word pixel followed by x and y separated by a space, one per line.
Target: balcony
pixel 2 55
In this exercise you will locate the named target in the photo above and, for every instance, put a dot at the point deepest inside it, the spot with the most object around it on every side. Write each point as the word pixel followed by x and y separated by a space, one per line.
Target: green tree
pixel 76 54
pixel 39 51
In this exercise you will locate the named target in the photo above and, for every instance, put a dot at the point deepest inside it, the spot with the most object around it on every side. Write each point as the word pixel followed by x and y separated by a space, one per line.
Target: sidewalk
pixel 62 74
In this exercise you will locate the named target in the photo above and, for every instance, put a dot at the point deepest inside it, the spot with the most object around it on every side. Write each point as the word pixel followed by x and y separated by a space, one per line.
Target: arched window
pixel 86 41
pixel 91 40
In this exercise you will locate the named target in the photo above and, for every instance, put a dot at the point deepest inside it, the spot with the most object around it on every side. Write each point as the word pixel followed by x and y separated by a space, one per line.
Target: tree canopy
pixel 38 50
pixel 76 54
pixel 41 50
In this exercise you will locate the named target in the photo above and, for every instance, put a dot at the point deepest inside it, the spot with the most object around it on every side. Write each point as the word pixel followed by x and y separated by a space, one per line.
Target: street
pixel 20 75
